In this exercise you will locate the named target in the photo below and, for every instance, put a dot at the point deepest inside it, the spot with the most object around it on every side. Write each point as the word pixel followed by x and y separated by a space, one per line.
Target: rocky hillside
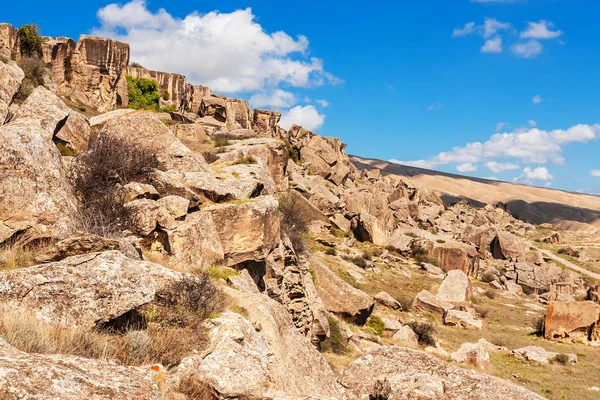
pixel 200 251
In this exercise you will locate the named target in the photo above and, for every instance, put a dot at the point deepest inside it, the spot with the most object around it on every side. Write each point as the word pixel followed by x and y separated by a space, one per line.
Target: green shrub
pixel 562 358
pixel 370 253
pixel 358 261
pixel 170 108
pixel 336 342
pixel 488 278
pixel 31 41
pixel 405 302
pixel 220 141
pixel 330 251
pixel 245 160
pixel 337 232
pixel 143 93
pixel 424 332
pixel 136 65
pixel 294 219
pixel 375 325
pixel 441 241
pixel 34 69
pixel 293 154
pixel 166 96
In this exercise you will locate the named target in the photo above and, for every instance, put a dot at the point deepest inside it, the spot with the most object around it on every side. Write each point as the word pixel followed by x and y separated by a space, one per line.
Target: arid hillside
pixel 566 210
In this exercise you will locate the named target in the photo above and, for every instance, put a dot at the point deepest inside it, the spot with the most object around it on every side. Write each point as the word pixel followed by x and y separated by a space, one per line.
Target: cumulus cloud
pixel 306 116
pixel 466 167
pixel 229 52
pixel 323 103
pixel 492 25
pixel 595 172
pixel 467 29
pixel 492 45
pixel 525 145
pixel 532 122
pixel 500 125
pixel 277 98
pixel 540 30
pixel 529 49
pixel 529 175
pixel 497 167
pixel 537 99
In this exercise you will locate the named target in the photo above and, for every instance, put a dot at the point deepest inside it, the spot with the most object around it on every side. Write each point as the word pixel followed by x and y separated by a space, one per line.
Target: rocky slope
pixel 285 223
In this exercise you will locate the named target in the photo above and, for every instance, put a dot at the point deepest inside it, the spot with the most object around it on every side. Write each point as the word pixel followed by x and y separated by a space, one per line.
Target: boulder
pixel 80 244
pixel 414 374
pixel 84 290
pixel 452 255
pixel 471 353
pixel 455 288
pixel 265 122
pixel 432 269
pixel 339 297
pixel 58 376
pixel 490 346
pixel 190 133
pixel 539 355
pixel 176 206
pixel 11 77
pixel 576 321
pixel 405 336
pixel 370 229
pixel 427 301
pixel 387 300
pixel 506 246
pixel 135 191
pixel 243 282
pixel 74 135
pixel 462 319
pixel 260 356
pixel 553 239
pixel 340 222
pixel 142 214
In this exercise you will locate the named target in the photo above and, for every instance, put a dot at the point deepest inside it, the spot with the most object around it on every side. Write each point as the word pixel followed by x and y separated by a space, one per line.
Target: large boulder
pixel 462 319
pixel 506 246
pixel 575 320
pixel 58 376
pixel 455 288
pixel 265 122
pixel 471 353
pixel 11 77
pixel 413 374
pixel 427 301
pixel 260 356
pixel 452 255
pixel 539 355
pixel 75 245
pixel 339 297
pixel 84 290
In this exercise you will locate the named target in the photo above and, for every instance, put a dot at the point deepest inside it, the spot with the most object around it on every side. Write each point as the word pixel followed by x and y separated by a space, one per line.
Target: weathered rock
pixel 340 222
pixel 9 41
pixel 190 133
pixel 414 374
pixel 577 321
pixel 506 246
pixel 490 346
pixel 339 297
pixel 539 354
pixel 143 214
pixel 45 108
pixel 370 229
pixel 265 122
pixel 11 77
pixel 452 255
pixel 176 206
pixel 405 336
pixel 37 376
pixel 427 301
pixel 84 290
pixel 462 319
pixel 135 191
pixel 74 135
pixel 243 282
pixel 432 269
pixel 471 353
pixel 387 300
pixel 257 357
pixel 100 120
pixel 173 88
pixel 553 239
pixel 76 245
pixel 455 288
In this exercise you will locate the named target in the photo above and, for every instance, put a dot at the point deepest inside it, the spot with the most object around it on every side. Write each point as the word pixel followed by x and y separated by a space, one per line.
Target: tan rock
pixel 372 230
pixel 415 374
pixel 462 319
pixel 340 222
pixel 427 301
pixel 405 336
pixel 539 354
pixel 506 246
pixel 265 122
pixel 190 132
pixel 339 297
pixel 243 282
pixel 176 206
pixel 387 300
pixel 76 245
pixel 473 354
pixel 75 133
pixel 455 288
pixel 135 191
pixel 577 321
pixel 143 214
pixel 11 77
pixel 178 92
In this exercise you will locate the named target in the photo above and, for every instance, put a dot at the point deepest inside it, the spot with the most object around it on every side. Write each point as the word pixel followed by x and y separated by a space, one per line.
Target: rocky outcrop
pixel 76 245
pixel 506 246
pixel 462 319
pixel 539 355
pixel 84 290
pixel 339 297
pixel 575 321
pixel 427 301
pixel 387 300
pixel 9 41
pixel 261 356
pixel 57 376
pixel 471 353
pixel 231 113
pixel 11 77
pixel 455 288
pixel 415 374
pixel 265 122
pixel 173 88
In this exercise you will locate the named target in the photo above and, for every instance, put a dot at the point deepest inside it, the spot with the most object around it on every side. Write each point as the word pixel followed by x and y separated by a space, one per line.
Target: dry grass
pixel 15 256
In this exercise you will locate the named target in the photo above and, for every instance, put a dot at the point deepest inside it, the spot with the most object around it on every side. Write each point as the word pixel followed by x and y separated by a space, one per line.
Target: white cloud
pixel 435 106
pixel 229 52
pixel 492 45
pixel 529 49
pixel 416 163
pixel 497 167
pixel 537 174
pixel 277 98
pixel 537 99
pixel 492 25
pixel 525 145
pixel 539 30
pixel 306 116
pixel 500 125
pixel 595 172
pixel 467 29
pixel 466 167
pixel 323 103
pixel 532 122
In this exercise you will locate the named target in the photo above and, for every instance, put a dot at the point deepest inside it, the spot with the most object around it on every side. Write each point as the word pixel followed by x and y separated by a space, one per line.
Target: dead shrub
pixel 110 160
pixel 336 342
pixel 539 325
pixel 191 299
pixel 195 389
pixel 424 332
pixel 19 255
pixel 481 310
pixel 249 159
pixel 488 277
pixel 34 68
pixel 293 218
pixel 210 157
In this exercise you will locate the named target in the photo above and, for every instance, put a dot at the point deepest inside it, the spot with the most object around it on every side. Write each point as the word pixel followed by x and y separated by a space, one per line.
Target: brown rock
pixel 506 246
pixel 143 214
pixel 76 245
pixel 75 133
pixel 178 91
pixel 577 321
pixel 265 122
pixel 426 301
pixel 11 77
pixel 387 300
pixel 471 353
pixel 9 41
pixel 135 191
pixel 455 288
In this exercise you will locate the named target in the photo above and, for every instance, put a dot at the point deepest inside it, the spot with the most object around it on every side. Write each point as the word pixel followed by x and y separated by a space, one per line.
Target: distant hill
pixel 567 210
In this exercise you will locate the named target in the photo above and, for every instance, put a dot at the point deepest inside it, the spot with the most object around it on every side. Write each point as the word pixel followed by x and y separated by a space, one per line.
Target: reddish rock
pixel 575 320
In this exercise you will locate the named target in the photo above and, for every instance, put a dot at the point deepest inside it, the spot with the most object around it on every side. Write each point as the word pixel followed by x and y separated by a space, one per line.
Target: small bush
pixel 405 302
pixel 191 297
pixel 143 93
pixel 358 261
pixel 482 311
pixel 370 253
pixel 31 41
pixel 313 274
pixel 221 272
pixel 166 96
pixel 338 233
pixel 108 161
pixel 527 290
pixel 330 251
pixel 293 154
pixel 220 141
pixel 490 294
pixel 245 160
pixel 34 69
pixel 210 157
pixel 562 250
pixel 169 108
pixel 375 325
pixel 488 278
pixel 293 219
pixel 539 325
pixel 441 241
pixel 562 359
pixel 136 65
pixel 336 342
pixel 424 332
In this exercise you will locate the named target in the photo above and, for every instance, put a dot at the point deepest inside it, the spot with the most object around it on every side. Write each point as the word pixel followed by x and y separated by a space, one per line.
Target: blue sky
pixel 504 89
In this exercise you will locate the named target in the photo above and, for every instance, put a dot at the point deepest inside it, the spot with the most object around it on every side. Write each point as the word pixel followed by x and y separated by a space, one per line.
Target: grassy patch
pixel 219 272
pixel 336 342
pixel 375 325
